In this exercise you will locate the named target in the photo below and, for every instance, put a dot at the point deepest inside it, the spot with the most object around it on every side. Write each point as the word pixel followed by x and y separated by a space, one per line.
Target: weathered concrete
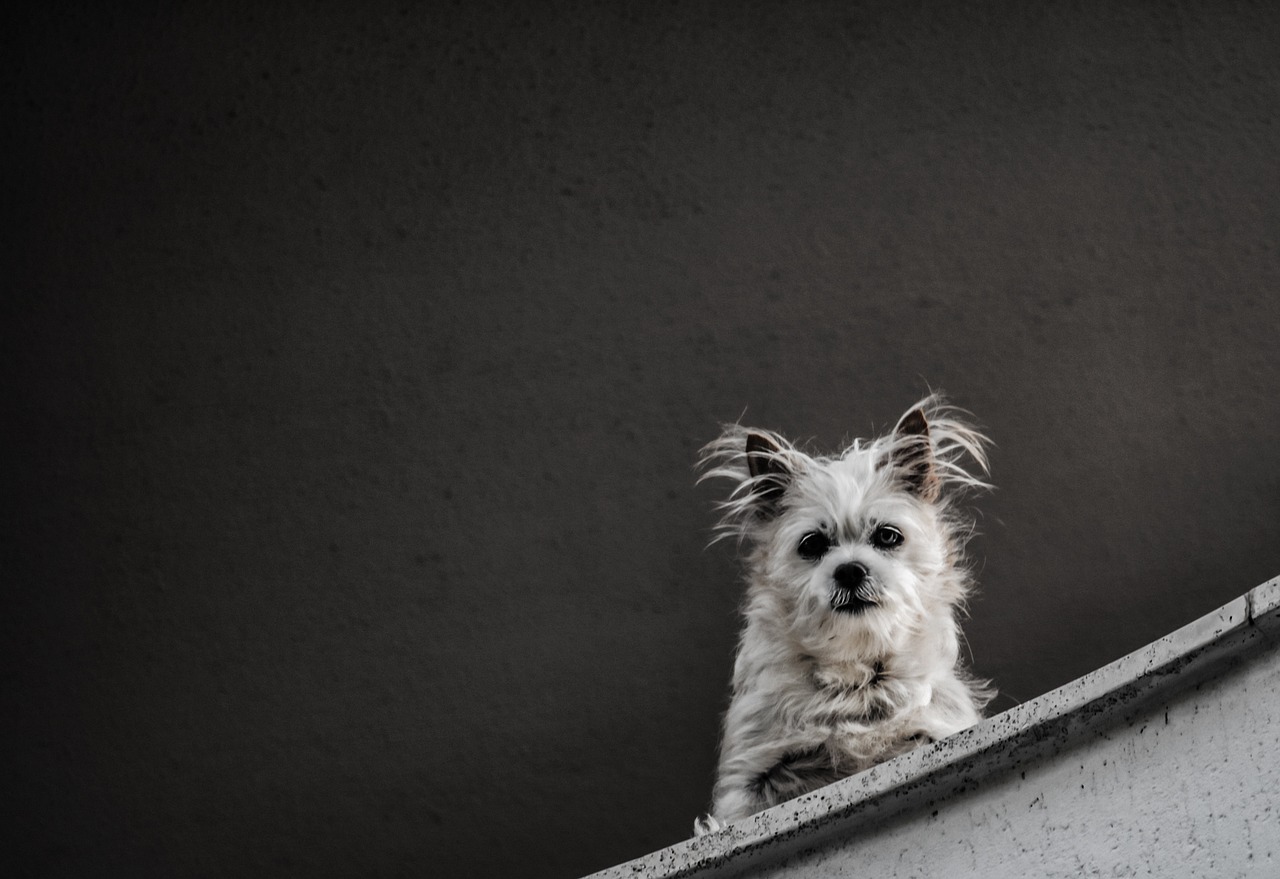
pixel 1163 762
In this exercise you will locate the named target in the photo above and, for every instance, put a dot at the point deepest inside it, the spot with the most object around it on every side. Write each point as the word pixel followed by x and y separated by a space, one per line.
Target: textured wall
pixel 357 361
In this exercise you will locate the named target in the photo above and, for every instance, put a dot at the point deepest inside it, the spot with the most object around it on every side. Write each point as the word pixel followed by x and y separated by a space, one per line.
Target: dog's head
pixel 857 551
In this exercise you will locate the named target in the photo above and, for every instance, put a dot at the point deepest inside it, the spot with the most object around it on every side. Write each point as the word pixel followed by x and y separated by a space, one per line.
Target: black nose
pixel 850 575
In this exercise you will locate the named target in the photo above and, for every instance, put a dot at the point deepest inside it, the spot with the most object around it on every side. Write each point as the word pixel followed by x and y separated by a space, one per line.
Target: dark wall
pixel 357 363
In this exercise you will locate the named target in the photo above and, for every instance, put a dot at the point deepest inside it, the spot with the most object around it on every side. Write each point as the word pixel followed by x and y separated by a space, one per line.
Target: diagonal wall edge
pixel 895 814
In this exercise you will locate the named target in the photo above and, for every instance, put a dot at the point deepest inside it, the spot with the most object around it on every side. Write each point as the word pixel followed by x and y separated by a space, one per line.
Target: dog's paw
pixel 706 824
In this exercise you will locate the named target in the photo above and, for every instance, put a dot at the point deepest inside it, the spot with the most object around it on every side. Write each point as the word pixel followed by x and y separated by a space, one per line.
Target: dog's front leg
pixel 769 776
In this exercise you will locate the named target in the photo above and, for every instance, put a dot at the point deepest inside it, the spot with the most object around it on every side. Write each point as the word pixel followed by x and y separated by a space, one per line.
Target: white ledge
pixel 1088 710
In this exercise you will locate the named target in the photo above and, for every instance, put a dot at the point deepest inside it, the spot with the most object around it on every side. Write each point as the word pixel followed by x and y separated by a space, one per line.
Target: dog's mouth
pixel 853 601
pixel 852 589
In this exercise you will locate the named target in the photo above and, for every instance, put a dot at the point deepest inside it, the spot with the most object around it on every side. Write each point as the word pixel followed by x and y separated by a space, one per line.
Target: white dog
pixel 850 653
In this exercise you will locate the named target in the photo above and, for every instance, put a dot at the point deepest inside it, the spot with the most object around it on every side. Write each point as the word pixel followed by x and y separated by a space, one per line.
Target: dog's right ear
pixel 770 474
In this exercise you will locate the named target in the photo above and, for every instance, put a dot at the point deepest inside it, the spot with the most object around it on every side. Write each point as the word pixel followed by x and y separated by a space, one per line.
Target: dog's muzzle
pixel 853 591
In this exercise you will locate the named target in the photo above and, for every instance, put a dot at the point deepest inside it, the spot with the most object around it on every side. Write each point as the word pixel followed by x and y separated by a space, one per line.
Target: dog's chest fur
pixel 857 707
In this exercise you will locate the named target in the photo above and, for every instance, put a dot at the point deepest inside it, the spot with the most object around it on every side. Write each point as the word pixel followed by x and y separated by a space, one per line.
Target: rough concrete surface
pixel 1162 763
pixel 357 356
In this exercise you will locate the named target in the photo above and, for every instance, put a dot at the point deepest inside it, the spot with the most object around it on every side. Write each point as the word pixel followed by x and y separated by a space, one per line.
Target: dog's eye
pixel 886 537
pixel 813 546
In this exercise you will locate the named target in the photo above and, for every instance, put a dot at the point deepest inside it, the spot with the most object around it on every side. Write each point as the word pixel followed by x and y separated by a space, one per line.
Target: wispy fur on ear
pixel 762 463
pixel 928 448
pixel 769 471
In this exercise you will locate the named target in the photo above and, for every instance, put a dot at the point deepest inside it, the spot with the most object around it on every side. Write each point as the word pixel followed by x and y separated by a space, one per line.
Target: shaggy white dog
pixel 850 653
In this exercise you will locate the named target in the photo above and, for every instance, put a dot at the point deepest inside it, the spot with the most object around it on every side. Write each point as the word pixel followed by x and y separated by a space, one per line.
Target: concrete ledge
pixel 1085 720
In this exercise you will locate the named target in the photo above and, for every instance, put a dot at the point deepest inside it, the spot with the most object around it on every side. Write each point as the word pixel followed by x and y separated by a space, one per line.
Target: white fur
pixel 819 694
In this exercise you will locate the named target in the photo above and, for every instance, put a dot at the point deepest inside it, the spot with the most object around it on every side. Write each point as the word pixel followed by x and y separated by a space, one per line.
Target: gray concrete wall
pixel 1161 763
pixel 357 355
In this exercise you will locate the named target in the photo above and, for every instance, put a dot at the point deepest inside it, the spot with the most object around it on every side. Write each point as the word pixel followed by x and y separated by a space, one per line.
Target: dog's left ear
pixel 912 456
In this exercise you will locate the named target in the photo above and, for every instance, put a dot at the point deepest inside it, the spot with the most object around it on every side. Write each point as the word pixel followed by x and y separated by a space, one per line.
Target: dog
pixel 850 649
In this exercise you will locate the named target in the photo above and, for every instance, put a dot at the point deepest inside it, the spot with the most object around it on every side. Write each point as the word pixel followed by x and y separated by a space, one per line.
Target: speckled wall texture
pixel 357 361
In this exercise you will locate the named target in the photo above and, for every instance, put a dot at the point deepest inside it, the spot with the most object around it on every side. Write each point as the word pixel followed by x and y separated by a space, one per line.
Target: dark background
pixel 357 361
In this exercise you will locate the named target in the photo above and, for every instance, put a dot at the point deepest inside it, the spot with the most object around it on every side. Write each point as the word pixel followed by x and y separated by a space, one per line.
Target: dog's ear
pixel 770 474
pixel 912 456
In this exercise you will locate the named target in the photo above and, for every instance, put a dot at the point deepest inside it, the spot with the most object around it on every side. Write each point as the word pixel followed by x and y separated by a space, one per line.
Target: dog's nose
pixel 850 575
